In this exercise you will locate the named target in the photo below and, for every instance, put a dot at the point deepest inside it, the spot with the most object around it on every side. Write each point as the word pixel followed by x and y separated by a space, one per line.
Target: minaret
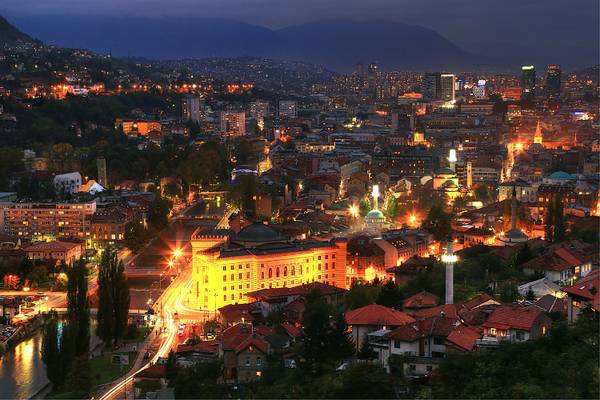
pixel 375 194
pixel 449 258
pixel 537 136
pixel 513 209
pixel 452 159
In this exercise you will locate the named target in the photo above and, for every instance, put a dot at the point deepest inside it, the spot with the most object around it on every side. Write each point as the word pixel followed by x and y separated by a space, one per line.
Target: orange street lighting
pixel 412 219
pixel 177 253
pixel 353 210
pixel 171 263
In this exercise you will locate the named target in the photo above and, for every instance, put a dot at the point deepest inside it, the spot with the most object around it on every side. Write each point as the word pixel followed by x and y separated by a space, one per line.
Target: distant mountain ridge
pixel 336 44
pixel 10 35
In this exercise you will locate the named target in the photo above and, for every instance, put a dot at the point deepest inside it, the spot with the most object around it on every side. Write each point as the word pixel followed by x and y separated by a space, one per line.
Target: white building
pixel 67 183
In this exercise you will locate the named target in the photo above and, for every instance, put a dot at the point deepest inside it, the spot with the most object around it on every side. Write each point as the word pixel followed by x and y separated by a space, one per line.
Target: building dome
pixel 445 171
pixel 514 236
pixel 561 176
pixel 259 233
pixel 374 216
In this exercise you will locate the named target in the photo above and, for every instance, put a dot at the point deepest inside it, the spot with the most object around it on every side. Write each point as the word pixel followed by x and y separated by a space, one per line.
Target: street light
pixel 353 210
pixel 177 253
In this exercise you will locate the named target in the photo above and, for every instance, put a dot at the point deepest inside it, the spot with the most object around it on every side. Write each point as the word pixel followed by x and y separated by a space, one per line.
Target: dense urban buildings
pixel 328 226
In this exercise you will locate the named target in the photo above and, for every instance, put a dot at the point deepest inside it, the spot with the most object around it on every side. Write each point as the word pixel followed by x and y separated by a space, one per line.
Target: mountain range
pixel 336 44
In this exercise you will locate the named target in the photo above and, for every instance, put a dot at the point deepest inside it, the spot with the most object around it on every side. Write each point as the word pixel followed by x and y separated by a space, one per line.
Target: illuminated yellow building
pixel 226 265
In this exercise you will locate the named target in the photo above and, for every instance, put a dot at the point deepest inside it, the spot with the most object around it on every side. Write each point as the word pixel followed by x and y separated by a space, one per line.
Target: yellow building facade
pixel 227 265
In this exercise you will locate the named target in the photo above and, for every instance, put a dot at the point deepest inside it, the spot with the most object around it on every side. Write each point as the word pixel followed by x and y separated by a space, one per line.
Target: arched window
pixel 285 271
pixel 293 270
pixel 277 273
pixel 262 275
pixel 270 272
pixel 232 277
pixel 300 270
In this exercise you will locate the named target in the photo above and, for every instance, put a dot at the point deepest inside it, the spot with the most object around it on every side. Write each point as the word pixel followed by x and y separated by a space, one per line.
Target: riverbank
pixel 23 332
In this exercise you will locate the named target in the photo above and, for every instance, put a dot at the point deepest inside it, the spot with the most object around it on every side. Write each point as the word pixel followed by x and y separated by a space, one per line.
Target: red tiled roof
pixel 253 343
pixel 422 299
pixel 464 337
pixel 203 347
pixel 587 288
pixel 156 371
pixel 434 326
pixel 376 315
pixel 447 310
pixel 478 301
pixel 235 312
pixel 51 246
pixel 506 317
pixel 301 290
pixel 290 329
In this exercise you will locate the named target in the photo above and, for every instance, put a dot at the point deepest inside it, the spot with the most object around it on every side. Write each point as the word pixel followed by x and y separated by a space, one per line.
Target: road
pixel 166 306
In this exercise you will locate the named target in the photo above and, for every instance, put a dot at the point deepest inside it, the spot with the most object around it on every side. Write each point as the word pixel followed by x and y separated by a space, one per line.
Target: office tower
pixel 191 108
pixel 479 89
pixel 259 110
pixel 372 79
pixel 527 82
pixel 553 79
pixel 431 83
pixel 447 88
pixel 233 123
pixel 101 167
pixel 288 109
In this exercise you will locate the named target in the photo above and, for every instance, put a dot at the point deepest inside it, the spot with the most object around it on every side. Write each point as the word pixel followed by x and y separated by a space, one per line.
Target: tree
pixel 106 301
pixel 78 312
pixel 524 254
pixel 135 236
pixel 361 295
pixel 365 352
pixel 158 213
pixel 340 345
pixel 114 298
pixel 56 352
pixel 437 223
pixel 482 192
pixel 392 207
pixel 364 207
pixel 390 295
pixel 172 190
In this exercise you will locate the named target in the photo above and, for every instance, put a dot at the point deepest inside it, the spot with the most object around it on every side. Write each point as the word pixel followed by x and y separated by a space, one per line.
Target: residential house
pixel 55 252
pixel 584 293
pixel 563 263
pixel 422 345
pixel 515 324
pixel 373 317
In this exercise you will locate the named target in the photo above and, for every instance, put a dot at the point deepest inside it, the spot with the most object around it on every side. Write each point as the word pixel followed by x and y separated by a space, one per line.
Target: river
pixel 22 371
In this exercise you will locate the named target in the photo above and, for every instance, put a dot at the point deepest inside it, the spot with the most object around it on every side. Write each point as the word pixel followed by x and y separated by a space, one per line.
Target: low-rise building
pixel 55 252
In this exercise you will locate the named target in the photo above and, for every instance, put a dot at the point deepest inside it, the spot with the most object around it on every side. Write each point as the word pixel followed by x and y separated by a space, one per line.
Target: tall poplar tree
pixel 78 307
pixel 114 299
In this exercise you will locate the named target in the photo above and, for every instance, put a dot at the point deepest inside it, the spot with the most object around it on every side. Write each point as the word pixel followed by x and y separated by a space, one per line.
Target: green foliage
pixel 57 350
pixel 562 365
pixel 482 192
pixel 113 290
pixel 325 338
pixel 364 207
pixel 555 225
pixel 135 236
pixel 199 382
pixel 391 209
pixel 361 294
pixel 390 295
pixel 437 223
pixel 158 213
pixel 78 312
